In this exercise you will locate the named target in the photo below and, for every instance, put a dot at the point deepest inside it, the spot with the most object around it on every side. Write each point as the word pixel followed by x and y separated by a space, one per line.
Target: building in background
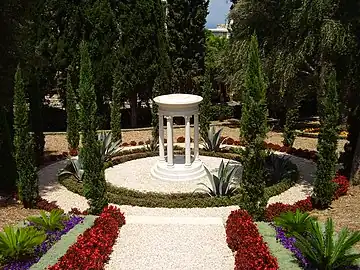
pixel 221 30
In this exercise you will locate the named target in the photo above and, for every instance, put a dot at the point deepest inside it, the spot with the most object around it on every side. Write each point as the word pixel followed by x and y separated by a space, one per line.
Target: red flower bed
pixel 303 153
pixel 46 205
pixel 343 186
pixel 141 143
pixel 132 143
pixel 92 249
pixel 180 139
pixel 229 141
pixel 78 212
pixel 275 209
pixel 243 237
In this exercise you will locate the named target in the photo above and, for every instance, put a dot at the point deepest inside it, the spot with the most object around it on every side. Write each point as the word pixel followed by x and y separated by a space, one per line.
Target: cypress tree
pixel 205 106
pixel 116 104
pixel 186 29
pixel 253 128
pixel 28 189
pixel 162 81
pixel 94 187
pixel 7 162
pixel 327 144
pixel 72 130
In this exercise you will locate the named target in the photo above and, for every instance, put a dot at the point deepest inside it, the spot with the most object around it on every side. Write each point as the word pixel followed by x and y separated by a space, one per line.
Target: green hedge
pixel 59 249
pixel 125 196
pixel 285 257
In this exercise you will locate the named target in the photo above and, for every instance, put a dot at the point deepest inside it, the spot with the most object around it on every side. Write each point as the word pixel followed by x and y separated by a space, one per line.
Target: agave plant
pixel 152 146
pixel 213 140
pixel 326 251
pixel 223 184
pixel 108 148
pixel 49 222
pixel 73 168
pixel 294 222
pixel 277 168
pixel 18 243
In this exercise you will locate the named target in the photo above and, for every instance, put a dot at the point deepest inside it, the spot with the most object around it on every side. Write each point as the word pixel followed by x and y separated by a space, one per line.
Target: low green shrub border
pixel 125 196
pixel 285 257
pixel 59 249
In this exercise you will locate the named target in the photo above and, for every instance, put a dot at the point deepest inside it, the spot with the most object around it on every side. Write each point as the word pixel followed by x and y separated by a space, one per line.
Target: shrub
pixel 213 140
pixel 132 143
pixel 72 131
pixel 125 144
pixel 109 147
pixel 88 252
pixel 140 143
pixel 49 222
pixel 294 222
pixel 324 188
pixel 94 176
pixel 254 110
pixel 229 141
pixel 223 184
pixel 27 184
pixel 237 142
pixel 324 250
pixel 18 243
pixel 180 139
pixel 74 168
pixel 243 236
pixel 343 185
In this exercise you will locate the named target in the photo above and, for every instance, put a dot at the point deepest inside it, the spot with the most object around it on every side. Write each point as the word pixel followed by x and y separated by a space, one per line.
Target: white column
pixel 161 137
pixel 169 131
pixel 196 136
pixel 187 141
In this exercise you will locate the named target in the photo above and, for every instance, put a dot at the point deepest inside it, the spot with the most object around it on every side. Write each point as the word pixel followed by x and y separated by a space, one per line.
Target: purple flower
pixel 289 243
pixel 51 238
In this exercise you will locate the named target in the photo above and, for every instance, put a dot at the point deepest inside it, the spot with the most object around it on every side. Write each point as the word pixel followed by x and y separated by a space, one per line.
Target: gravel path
pixel 136 175
pixel 161 238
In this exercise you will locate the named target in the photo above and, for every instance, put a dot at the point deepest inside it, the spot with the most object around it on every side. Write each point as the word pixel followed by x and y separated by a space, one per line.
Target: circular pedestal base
pixel 178 172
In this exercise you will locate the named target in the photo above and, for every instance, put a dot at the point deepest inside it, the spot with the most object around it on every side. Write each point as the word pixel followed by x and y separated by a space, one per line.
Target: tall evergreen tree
pixel 205 106
pixel 162 81
pixel 327 143
pixel 28 189
pixel 94 177
pixel 253 128
pixel 116 104
pixel 7 163
pixel 186 29
pixel 136 51
pixel 72 132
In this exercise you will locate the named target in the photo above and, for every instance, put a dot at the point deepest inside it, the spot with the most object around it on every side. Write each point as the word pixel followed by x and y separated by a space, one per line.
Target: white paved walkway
pixel 171 239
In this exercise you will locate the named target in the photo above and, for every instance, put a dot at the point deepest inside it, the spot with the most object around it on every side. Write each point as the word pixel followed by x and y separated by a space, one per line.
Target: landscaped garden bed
pixel 125 196
pixel 65 241
pixel 291 238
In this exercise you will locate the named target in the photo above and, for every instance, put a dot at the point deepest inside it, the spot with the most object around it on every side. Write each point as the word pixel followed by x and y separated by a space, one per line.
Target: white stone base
pixel 179 171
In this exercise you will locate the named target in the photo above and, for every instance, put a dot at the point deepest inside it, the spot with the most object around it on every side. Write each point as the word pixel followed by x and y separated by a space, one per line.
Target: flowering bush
pixel 180 139
pixel 243 236
pixel 125 144
pixel 93 248
pixel 275 209
pixel 51 238
pixel 140 143
pixel 342 186
pixel 229 141
pixel 132 143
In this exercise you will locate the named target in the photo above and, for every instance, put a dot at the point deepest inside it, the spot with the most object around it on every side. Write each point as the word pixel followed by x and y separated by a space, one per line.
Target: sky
pixel 218 10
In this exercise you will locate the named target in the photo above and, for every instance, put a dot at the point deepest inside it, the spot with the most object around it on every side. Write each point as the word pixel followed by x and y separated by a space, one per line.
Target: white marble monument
pixel 178 168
